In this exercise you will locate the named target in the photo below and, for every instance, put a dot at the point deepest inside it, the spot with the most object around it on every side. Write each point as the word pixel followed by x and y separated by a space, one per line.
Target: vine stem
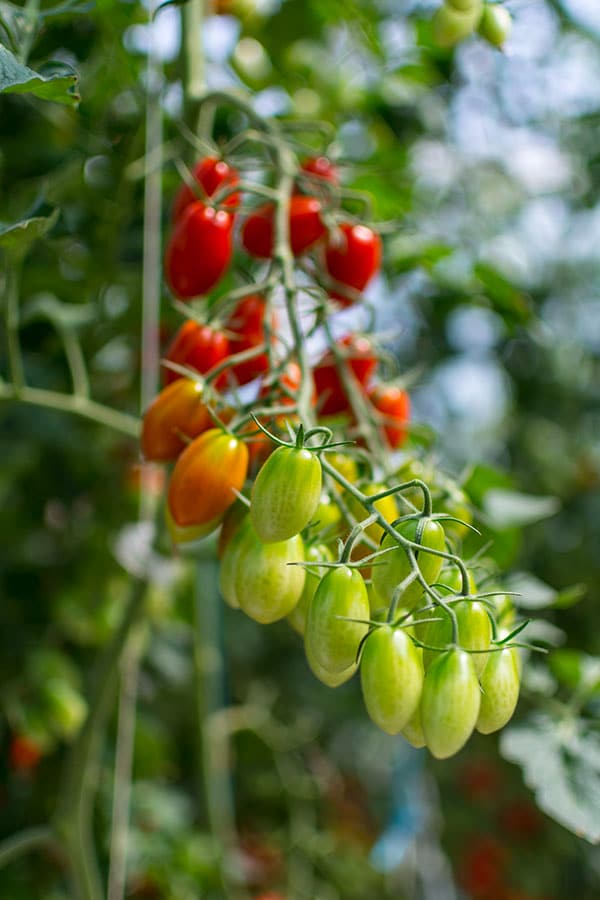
pixel 24 842
pixel 15 360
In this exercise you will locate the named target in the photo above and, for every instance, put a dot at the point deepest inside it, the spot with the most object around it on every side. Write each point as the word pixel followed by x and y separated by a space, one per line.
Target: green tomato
pixel 65 707
pixel 450 703
pixel 495 25
pixel 462 5
pixel 500 686
pixel 392 568
pixel 474 632
pixel 330 640
pixel 286 494
pixel 331 679
pixel 452 578
pixel 456 503
pixel 316 553
pixel 266 587
pixel 328 513
pixel 229 561
pixel 451 26
pixel 413 730
pixel 391 674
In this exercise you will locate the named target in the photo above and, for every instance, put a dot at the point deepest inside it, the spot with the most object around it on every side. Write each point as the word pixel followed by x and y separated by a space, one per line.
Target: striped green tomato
pixel 391 674
pixel 450 703
pixel 330 639
pixel 286 494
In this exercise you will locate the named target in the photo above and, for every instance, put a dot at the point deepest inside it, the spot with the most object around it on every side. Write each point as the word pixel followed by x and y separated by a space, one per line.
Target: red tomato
pixel 482 866
pixel 212 175
pixel 522 820
pixel 290 379
pixel 306 227
pixel 247 324
pixel 361 361
pixel 394 405
pixel 198 347
pixel 352 258
pixel 24 753
pixel 177 412
pixel 321 167
pixel 199 251
pixel 206 476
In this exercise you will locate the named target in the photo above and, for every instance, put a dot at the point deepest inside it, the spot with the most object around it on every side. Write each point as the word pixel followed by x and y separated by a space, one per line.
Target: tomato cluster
pixel 455 20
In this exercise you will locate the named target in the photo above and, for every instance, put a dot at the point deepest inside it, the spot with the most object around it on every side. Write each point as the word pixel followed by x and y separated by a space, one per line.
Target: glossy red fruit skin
pixel 306 227
pixel 198 347
pixel 329 387
pixel 199 251
pixel 247 327
pixel 211 174
pixel 394 405
pixel 352 258
pixel 321 167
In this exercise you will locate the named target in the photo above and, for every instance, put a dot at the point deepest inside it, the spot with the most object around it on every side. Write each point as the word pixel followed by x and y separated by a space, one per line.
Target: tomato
pixel 386 506
pixel 305 224
pixel 483 867
pixel 286 493
pixel 500 686
pixel 474 632
pixel 188 534
pixel 360 361
pixel 413 730
pixel 450 26
pixel 346 465
pixel 391 674
pixel 212 175
pixel 456 503
pixel 331 679
pixel 228 569
pixel 352 258
pixel 66 708
pixel 321 167
pixel 206 476
pixel 199 251
pixel 450 703
pixel 266 587
pixel 232 520
pixel 328 514
pixel 462 5
pixel 316 553
pixel 285 389
pixel 394 406
pixel 495 25
pixel 176 413
pixel 247 327
pixel 331 641
pixel 452 578
pixel 393 567
pixel 25 753
pixel 198 347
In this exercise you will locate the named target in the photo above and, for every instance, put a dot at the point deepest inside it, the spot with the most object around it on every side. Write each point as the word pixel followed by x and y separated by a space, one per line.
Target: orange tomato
pixel 206 476
pixel 176 413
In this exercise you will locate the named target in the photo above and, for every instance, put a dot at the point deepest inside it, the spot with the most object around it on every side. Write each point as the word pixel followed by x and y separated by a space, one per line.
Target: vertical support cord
pixel 192 16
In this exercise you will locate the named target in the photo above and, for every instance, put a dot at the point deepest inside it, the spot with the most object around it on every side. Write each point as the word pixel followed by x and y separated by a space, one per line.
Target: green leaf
pixel 569 596
pixel 17 78
pixel 482 479
pixel 576 670
pixel 17 236
pixel 511 509
pixel 506 299
pixel 16 25
pixel 560 759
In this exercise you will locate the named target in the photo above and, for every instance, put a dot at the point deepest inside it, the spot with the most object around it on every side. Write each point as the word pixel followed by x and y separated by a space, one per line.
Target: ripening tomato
pixel 330 639
pixel 495 25
pixel 483 868
pixel 305 224
pixel 247 330
pixel 474 632
pixel 321 167
pixel 199 251
pixel 177 413
pixel 500 687
pixel 212 175
pixel 394 406
pixel 450 26
pixel 267 587
pixel 232 520
pixel 198 347
pixel 394 567
pixel 360 361
pixel 206 476
pixel 386 507
pixel 184 535
pixel 450 703
pixel 316 553
pixel 352 258
pixel 331 679
pixel 25 753
pixel 286 493
pixel 391 674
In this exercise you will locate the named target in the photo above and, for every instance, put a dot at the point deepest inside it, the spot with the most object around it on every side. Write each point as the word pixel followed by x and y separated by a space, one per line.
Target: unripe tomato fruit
pixel 450 26
pixel 360 361
pixel 462 5
pixel 316 553
pixel 321 167
pixel 393 567
pixel 199 251
pixel 232 521
pixel 413 730
pixel 331 679
pixel 211 174
pixel 450 703
pixel 206 476
pixel 474 632
pixel 247 327
pixel 228 569
pixel 328 514
pixel 495 25
pixel 198 347
pixel 352 258
pixel 391 674
pixel 394 406
pixel 176 413
pixel 188 534
pixel 500 686
pixel 386 507
pixel 306 227
pixel 286 493
pixel 266 587
pixel 452 578
pixel 456 503
pixel 331 641
pixel 65 706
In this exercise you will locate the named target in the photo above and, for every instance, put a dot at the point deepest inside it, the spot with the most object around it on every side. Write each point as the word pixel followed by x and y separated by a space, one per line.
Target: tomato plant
pixel 286 493
pixel 174 417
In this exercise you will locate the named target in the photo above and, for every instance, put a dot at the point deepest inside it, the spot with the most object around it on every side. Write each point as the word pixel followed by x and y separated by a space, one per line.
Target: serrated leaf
pixel 63 315
pixel 17 78
pixel 19 235
pixel 560 760
pixel 511 509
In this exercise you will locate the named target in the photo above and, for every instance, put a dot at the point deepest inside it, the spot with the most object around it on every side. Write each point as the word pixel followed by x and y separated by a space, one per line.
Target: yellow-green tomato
pixel 495 25
pixel 450 703
pixel 500 686
pixel 267 587
pixel 450 26
pixel 316 553
pixel 330 639
pixel 286 494
pixel 413 730
pixel 456 503
pixel 228 567
pixel 462 5
pixel 391 675
pixel 328 513
pixel 452 578
pixel 392 568
pixel 474 632
pixel 331 679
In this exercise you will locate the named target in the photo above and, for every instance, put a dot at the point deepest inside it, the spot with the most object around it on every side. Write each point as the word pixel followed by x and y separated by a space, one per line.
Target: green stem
pixel 15 360
pixel 76 363
pixel 24 842
pixel 192 15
